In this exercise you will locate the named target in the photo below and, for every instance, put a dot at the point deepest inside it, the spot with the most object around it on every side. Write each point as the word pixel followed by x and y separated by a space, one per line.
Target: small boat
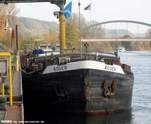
pixel 47 49
pixel 121 49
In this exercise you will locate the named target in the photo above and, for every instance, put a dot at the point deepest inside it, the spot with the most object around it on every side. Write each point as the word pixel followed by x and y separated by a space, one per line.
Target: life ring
pixel 106 91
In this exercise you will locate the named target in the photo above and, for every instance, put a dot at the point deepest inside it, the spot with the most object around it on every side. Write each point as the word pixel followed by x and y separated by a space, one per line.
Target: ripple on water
pixel 141 102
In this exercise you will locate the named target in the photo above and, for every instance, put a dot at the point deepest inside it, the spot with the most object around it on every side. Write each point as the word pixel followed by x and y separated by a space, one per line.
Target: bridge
pixel 111 42
pixel 121 21
pixel 117 40
pixel 96 33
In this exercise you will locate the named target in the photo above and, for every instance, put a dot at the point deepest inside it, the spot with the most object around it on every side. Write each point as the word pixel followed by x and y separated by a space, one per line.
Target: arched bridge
pixel 120 39
pixel 121 21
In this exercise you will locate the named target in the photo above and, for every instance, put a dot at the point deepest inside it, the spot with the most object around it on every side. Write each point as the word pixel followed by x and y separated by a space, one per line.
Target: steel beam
pixel 57 2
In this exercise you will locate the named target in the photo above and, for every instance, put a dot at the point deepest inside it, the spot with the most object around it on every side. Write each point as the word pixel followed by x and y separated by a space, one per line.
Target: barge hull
pixel 75 91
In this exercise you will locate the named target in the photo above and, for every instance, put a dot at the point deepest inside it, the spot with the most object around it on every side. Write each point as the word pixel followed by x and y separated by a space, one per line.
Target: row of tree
pixel 74 30
pixel 74 33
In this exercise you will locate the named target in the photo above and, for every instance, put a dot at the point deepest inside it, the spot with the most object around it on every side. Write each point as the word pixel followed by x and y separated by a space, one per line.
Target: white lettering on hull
pixel 110 68
pixel 87 64
pixel 60 68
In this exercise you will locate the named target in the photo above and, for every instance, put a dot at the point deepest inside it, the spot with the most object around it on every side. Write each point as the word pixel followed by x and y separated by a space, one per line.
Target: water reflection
pixel 124 117
pixel 114 118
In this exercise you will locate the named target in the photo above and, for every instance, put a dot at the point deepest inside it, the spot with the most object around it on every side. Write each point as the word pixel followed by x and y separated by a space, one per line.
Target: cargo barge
pixel 88 83
pixel 71 83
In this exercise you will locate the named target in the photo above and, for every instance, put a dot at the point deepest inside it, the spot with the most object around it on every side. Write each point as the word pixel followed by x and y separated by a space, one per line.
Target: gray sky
pixel 102 10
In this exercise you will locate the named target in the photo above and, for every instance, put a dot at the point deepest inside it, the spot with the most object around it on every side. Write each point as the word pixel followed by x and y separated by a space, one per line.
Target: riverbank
pixel 112 46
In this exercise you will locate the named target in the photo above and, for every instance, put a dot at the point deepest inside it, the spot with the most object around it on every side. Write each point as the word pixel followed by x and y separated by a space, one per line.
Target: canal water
pixel 141 103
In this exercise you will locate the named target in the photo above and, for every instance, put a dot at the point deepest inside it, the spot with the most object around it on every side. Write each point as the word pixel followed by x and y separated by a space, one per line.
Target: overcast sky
pixel 102 10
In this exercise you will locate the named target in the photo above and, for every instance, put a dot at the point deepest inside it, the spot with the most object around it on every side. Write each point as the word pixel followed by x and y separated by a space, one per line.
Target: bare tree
pixel 7 21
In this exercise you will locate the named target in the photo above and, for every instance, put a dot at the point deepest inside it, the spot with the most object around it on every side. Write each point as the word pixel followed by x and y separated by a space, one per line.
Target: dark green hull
pixel 76 91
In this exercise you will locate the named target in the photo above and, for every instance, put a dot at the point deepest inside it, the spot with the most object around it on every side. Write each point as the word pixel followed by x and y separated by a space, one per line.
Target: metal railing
pixel 6 60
